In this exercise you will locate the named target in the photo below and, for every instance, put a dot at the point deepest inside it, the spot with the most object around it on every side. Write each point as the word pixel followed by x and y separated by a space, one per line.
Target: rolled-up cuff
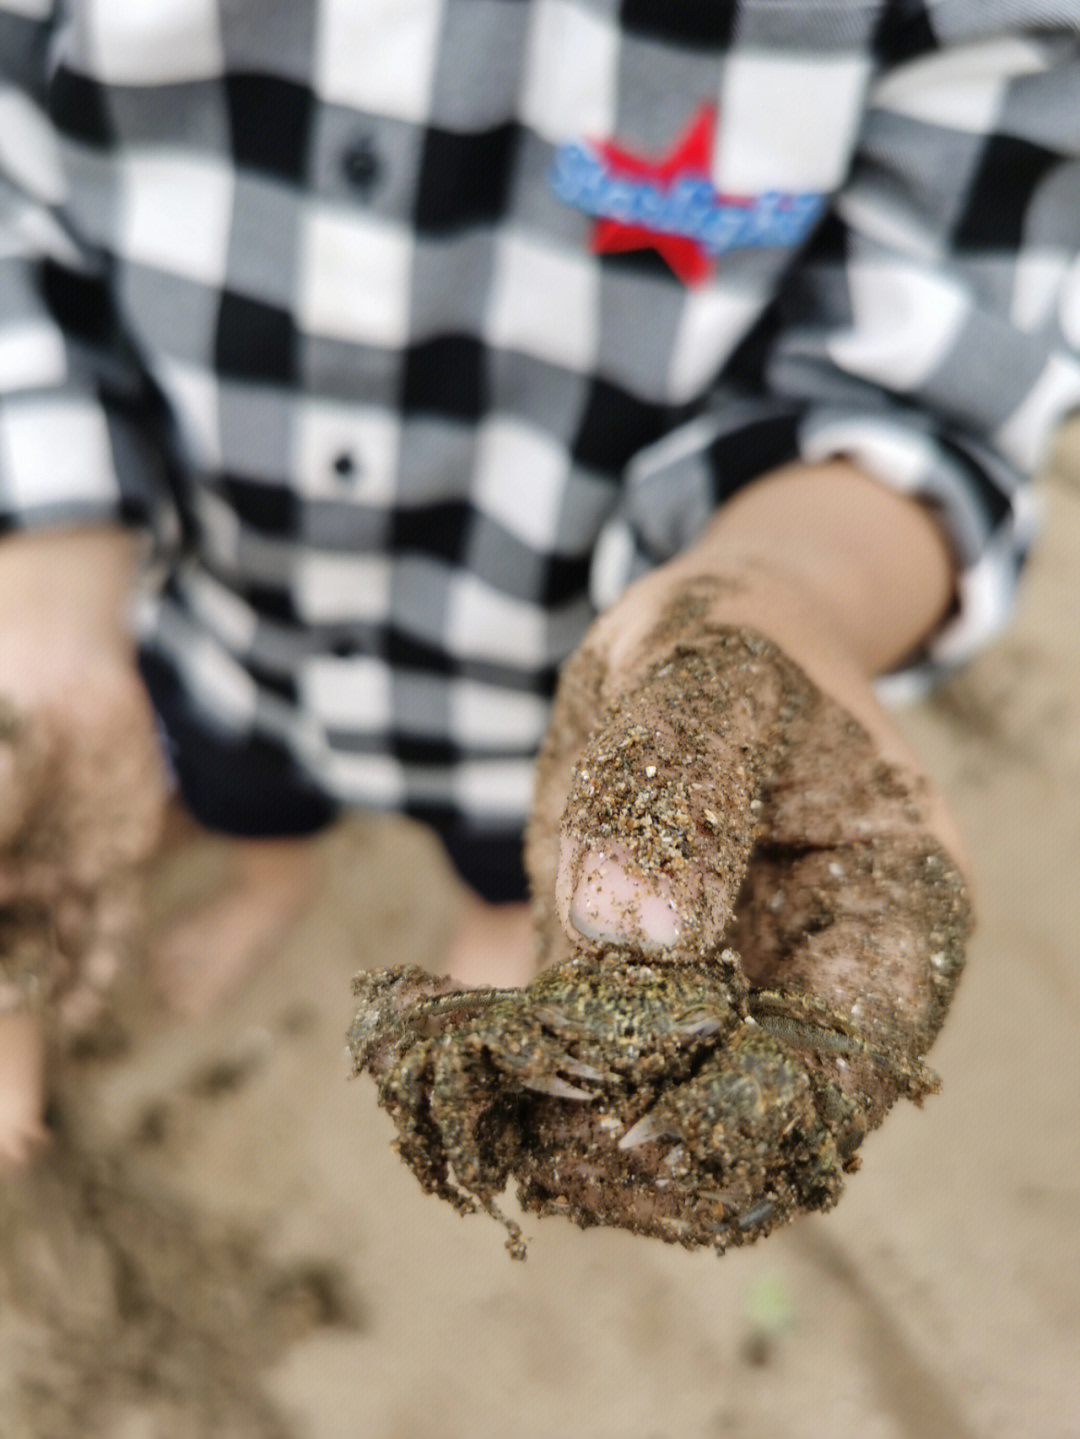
pixel 987 512
pixel 68 459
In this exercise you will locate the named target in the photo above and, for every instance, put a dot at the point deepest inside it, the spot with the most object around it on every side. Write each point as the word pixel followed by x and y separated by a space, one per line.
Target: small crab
pixel 666 1098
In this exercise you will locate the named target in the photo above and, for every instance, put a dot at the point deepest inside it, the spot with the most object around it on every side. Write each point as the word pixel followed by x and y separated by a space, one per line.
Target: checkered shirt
pixel 383 314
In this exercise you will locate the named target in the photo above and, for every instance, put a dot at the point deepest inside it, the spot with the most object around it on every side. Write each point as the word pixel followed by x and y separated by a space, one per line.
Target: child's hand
pixel 718 770
pixel 81 778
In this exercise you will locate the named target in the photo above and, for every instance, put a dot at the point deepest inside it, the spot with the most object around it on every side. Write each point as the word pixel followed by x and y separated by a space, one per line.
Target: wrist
pixel 751 589
pixel 76 582
pixel 826 553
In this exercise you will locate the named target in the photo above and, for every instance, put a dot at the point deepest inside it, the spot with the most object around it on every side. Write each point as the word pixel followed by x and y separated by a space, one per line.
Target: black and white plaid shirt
pixel 427 324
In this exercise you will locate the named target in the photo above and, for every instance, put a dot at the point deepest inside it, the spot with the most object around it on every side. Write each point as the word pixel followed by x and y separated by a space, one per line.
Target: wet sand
pixel 224 1244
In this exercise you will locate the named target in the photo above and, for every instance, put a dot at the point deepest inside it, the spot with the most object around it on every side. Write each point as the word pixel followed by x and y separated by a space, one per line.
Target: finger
pixel 599 897
pixel 836 782
pixel 663 804
pixel 577 706
pixel 19 1149
pixel 95 932
pixel 80 1007
pixel 83 995
pixel 25 760
pixel 872 932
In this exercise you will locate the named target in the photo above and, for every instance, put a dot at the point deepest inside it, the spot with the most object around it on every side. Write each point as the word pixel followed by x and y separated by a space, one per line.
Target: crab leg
pixel 552 1084
pixel 916 1077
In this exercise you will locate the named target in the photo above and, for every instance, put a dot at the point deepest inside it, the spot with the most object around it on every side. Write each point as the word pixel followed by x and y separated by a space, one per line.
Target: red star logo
pixel 690 158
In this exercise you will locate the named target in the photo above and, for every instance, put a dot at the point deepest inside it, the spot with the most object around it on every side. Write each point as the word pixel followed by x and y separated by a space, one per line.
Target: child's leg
pixel 203 957
pixel 492 944
pixel 493 941
pixel 22 1088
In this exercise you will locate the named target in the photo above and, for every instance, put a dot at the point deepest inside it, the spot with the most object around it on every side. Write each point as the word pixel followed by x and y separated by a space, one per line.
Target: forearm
pixel 70 581
pixel 825 549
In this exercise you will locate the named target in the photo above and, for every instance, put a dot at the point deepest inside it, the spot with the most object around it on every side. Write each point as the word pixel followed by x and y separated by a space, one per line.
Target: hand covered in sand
pixel 751 929
pixel 703 787
pixel 748 896
pixel 80 804
pixel 82 783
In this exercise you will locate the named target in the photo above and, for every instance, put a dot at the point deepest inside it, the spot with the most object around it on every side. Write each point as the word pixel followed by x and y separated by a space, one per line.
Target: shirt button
pixel 345 466
pixel 361 165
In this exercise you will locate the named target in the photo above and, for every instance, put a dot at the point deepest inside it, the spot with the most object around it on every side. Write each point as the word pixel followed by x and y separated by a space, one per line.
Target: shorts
pixel 255 789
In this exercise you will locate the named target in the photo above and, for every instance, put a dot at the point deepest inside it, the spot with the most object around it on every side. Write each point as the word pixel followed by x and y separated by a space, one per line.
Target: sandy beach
pixel 223 1244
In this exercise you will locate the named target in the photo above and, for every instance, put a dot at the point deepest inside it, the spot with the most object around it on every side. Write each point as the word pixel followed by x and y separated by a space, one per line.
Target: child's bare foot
pixel 22 1089
pixel 493 944
pixel 208 954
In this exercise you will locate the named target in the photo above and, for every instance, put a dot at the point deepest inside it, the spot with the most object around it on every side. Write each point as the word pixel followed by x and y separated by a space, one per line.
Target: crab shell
pixel 665 1099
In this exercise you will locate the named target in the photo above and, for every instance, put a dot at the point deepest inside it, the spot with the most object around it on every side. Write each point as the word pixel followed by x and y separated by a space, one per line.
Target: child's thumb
pixel 663 805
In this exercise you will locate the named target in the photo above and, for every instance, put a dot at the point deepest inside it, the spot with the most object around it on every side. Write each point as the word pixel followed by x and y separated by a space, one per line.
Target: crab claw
pixel 755 1119
pixel 381 1022
pixel 552 1084
pixel 649 1126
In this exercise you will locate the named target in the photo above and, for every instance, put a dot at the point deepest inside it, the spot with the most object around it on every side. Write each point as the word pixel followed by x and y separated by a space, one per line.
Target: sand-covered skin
pixel 27 954
pixel 725 775
pixel 76 824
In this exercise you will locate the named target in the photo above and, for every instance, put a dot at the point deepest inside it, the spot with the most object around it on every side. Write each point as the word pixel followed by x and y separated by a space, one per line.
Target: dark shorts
pixel 254 789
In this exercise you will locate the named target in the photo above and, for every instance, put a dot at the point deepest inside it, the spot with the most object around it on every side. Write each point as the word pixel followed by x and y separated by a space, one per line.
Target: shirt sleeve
pixel 76 412
pixel 931 331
